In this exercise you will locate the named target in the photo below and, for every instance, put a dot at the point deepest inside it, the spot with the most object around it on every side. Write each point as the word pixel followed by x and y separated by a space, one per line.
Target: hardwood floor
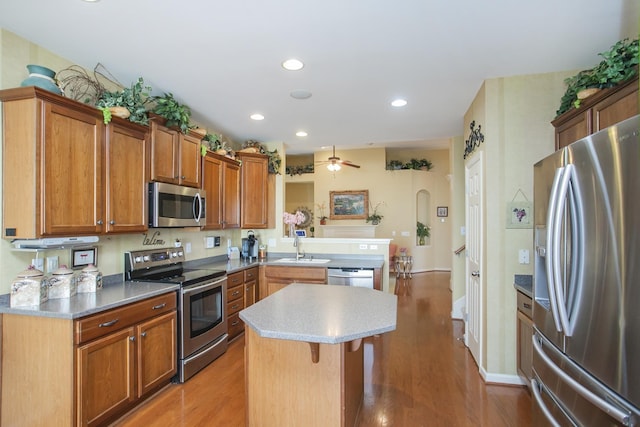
pixel 421 374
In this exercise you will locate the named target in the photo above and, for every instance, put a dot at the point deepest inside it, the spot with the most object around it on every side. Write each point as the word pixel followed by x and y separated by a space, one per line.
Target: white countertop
pixel 322 313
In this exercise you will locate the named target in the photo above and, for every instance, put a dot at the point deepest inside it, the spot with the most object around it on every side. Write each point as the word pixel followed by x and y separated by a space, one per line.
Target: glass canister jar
pixel 89 280
pixel 62 283
pixel 29 288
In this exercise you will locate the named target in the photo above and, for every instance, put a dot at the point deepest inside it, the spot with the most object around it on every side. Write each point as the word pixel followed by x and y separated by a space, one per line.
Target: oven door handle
pixel 194 289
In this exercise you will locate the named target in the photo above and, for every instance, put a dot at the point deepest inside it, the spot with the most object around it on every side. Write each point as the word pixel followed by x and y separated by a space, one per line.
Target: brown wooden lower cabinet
pixel 241 293
pixel 87 371
pixel 275 277
pixel 524 334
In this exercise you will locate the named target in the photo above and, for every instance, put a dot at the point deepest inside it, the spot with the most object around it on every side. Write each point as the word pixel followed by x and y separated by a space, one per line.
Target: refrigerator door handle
pixel 563 189
pixel 550 249
pixel 538 398
pixel 621 416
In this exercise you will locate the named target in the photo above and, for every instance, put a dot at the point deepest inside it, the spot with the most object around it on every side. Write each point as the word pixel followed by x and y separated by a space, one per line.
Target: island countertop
pixel 322 314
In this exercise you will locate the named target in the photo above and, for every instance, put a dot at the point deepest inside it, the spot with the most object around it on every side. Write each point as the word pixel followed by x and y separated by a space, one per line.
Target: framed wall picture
pixel 82 257
pixel 520 215
pixel 349 204
pixel 442 211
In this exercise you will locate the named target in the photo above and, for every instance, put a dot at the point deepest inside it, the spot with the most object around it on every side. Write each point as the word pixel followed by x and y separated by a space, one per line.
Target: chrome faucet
pixel 296 244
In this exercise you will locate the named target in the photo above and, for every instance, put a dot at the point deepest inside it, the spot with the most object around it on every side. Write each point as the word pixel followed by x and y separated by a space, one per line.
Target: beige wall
pixel 396 189
pixel 515 115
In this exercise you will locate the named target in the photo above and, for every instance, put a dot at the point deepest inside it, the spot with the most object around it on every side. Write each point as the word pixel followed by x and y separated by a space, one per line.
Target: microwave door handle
pixel 560 211
pixel 197 200
pixel 550 250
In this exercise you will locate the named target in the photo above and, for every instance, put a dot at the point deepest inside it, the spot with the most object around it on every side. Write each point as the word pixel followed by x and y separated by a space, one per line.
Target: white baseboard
pixel 458 308
pixel 490 378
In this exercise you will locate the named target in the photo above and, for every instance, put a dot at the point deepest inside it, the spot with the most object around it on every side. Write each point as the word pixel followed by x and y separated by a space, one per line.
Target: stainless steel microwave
pixel 175 205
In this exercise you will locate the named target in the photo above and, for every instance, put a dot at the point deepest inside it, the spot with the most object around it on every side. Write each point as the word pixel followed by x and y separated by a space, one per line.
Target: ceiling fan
pixel 335 164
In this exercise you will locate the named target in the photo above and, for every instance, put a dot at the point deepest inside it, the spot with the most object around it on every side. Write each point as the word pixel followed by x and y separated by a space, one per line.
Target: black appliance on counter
pixel 202 320
pixel 250 246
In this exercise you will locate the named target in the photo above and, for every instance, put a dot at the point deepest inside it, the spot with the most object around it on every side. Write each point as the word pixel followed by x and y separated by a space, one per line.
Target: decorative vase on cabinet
pixel 42 77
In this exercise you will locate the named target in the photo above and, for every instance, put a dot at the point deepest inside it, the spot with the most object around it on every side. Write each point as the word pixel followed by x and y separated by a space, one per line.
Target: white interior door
pixel 474 242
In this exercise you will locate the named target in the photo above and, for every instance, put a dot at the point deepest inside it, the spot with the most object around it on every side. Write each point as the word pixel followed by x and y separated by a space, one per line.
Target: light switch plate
pixel 523 256
pixel 52 263
pixel 38 263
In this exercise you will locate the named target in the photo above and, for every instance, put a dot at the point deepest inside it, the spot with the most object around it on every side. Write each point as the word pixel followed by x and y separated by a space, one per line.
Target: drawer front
pixel 236 326
pixel 298 274
pixel 235 279
pixel 97 325
pixel 235 293
pixel 525 304
pixel 250 274
pixel 236 305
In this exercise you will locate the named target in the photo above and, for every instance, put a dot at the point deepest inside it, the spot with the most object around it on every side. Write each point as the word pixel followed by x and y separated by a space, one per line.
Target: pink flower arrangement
pixel 293 219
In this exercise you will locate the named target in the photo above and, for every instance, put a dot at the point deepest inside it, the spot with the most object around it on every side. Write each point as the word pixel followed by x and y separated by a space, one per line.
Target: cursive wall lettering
pixel 153 240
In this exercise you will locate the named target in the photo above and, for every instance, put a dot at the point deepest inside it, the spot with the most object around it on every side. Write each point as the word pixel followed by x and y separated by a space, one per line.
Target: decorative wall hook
pixel 475 139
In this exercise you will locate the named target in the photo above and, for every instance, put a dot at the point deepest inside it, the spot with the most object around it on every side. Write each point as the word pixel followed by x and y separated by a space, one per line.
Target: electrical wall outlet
pixel 187 247
pixel 523 256
pixel 38 263
pixel 363 246
pixel 373 247
pixel 209 242
pixel 404 233
pixel 52 263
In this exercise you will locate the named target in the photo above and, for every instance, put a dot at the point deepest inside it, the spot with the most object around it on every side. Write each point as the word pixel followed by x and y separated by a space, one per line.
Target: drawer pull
pixel 107 324
pixel 526 305
pixel 132 338
pixel 143 334
pixel 235 293
pixel 159 306
pixel 235 323
pixel 234 306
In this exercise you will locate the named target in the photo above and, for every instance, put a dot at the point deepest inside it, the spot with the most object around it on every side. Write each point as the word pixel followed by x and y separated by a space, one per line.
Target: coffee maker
pixel 250 246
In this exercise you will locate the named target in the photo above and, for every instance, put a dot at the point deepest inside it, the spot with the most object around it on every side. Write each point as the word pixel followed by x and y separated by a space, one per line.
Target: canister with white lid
pixel 62 283
pixel 90 279
pixel 29 288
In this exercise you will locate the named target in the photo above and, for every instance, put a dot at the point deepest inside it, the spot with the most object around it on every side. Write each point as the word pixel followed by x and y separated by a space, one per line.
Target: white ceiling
pixel 223 59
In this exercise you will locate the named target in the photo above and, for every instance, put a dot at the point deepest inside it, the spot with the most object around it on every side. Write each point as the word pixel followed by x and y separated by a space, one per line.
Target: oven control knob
pixel 180 253
pixel 174 254
pixel 137 259
pixel 146 258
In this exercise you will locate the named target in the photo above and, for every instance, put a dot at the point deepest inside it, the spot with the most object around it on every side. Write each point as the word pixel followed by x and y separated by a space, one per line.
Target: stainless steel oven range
pixel 202 324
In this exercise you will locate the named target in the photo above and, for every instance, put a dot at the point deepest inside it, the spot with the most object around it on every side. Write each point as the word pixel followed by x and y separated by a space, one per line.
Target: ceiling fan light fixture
pixel 334 167
pixel 292 64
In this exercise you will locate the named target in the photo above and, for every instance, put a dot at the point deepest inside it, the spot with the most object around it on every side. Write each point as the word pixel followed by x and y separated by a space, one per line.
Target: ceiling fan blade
pixel 348 163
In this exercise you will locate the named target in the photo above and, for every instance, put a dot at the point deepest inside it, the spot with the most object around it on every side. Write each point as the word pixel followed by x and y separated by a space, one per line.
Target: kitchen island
pixel 304 353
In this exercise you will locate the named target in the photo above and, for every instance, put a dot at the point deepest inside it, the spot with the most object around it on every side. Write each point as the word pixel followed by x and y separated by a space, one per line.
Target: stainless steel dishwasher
pixel 362 277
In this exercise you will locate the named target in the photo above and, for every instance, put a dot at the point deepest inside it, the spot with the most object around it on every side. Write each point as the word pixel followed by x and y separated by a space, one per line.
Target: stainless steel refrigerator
pixel 586 313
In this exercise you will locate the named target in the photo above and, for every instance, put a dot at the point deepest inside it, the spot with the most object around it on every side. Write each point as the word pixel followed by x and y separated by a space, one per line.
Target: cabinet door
pixel 72 191
pixel 212 179
pixel 250 293
pixel 125 180
pixel 231 195
pixel 164 154
pixel 253 192
pixel 157 358
pixel 617 107
pixel 106 377
pixel 574 129
pixel 189 160
pixel 525 346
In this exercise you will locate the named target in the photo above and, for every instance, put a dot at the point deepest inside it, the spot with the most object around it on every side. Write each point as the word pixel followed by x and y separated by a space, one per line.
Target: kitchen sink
pixel 304 260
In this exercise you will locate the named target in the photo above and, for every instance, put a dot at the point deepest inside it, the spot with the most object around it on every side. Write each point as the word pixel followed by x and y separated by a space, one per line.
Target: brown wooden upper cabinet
pixel 175 157
pixel 254 191
pixel 65 173
pixel 221 182
pixel 599 111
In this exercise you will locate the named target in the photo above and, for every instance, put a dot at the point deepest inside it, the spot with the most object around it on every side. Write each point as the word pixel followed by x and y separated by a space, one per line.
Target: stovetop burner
pixel 164 265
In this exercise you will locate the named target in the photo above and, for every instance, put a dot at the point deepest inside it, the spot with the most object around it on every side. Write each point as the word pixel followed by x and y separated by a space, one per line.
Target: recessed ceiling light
pixel 301 133
pixel 300 94
pixel 91 1
pixel 399 102
pixel 257 116
pixel 292 64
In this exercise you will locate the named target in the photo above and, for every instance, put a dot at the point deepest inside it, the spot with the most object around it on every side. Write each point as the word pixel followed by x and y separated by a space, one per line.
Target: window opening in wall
pixel 423 207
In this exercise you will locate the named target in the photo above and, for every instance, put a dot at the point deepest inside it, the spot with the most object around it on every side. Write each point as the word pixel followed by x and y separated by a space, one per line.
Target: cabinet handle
pixel 132 338
pixel 526 305
pixel 236 292
pixel 182 177
pixel 159 306
pixel 143 334
pixel 235 323
pixel 100 222
pixel 112 222
pixel 107 324
pixel 176 177
pixel 234 306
